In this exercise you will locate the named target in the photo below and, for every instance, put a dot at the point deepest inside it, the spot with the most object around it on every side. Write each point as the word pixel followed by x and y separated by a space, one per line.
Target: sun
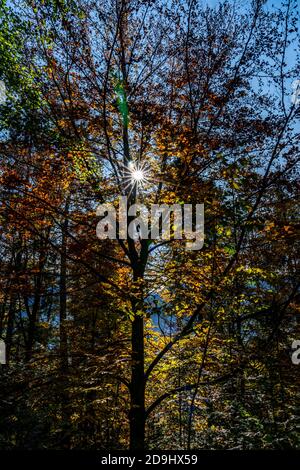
pixel 136 174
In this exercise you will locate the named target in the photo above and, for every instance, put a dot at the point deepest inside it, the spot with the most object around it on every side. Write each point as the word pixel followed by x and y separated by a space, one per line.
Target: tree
pixel 188 93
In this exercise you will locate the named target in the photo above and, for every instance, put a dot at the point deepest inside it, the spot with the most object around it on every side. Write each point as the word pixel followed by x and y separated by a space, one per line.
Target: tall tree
pixel 199 98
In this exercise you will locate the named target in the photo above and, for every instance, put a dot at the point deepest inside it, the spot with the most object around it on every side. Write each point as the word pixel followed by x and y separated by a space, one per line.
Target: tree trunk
pixel 137 408
pixel 137 416
pixel 64 364
pixel 63 293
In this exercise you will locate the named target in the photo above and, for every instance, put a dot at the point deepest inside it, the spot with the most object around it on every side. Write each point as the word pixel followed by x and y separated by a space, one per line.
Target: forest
pixel 117 343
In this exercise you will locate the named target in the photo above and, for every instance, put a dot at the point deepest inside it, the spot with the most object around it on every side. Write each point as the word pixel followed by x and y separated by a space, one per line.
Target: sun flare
pixel 136 175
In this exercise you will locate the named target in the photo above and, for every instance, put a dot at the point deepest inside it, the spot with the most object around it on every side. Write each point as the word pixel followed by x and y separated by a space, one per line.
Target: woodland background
pixel 113 344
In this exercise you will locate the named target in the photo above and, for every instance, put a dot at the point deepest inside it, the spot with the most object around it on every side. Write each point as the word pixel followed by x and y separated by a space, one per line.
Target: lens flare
pixel 138 175
pixel 135 175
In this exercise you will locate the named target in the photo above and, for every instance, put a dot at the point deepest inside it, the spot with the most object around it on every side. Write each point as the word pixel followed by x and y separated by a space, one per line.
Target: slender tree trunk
pixel 34 317
pixel 137 408
pixel 10 327
pixel 65 440
pixel 13 301
pixel 35 311
pixel 63 293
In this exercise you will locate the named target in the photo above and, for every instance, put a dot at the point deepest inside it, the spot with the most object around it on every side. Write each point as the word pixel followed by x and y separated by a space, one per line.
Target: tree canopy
pixel 112 344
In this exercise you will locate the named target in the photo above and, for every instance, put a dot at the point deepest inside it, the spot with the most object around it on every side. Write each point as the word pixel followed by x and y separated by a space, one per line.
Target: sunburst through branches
pixel 136 175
